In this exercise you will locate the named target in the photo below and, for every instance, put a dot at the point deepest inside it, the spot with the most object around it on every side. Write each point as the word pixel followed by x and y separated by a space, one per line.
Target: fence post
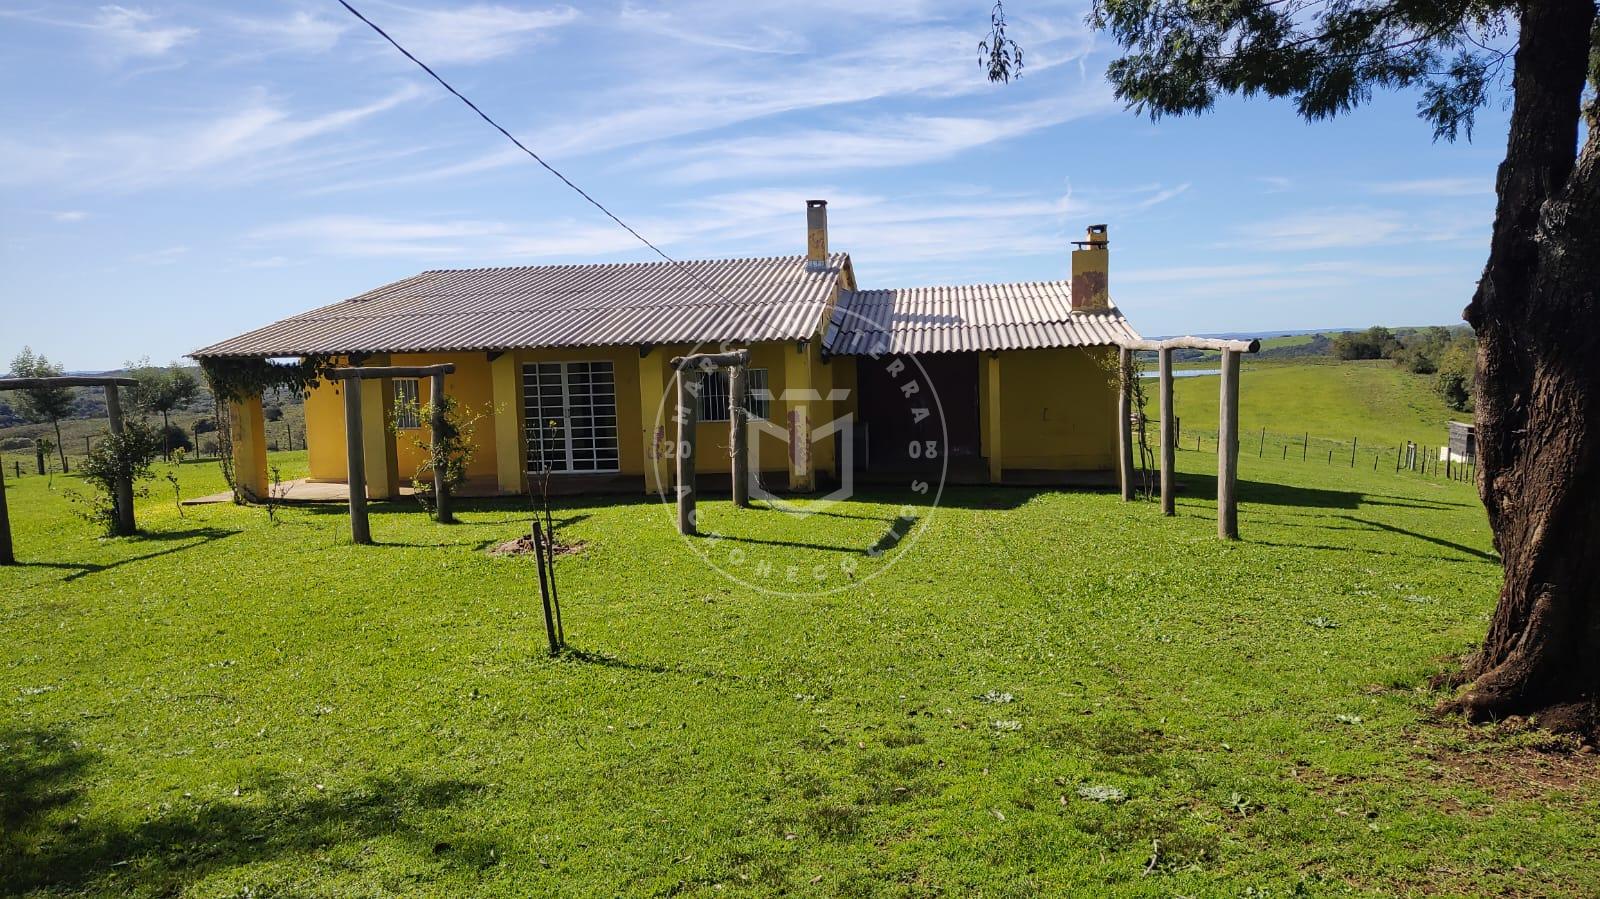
pixel 688 407
pixel 1169 427
pixel 1260 450
pixel 6 557
pixel 1228 449
pixel 1353 451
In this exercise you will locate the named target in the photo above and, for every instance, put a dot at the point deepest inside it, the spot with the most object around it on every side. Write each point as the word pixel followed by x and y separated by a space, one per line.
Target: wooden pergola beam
pixel 65 381
pixel 359 373
pixel 1195 343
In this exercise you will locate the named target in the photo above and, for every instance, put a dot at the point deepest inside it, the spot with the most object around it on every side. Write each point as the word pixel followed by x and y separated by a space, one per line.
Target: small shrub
pixel 116 456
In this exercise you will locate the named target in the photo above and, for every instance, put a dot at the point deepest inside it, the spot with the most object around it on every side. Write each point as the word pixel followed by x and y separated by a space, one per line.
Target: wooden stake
pixel 441 483
pixel 1125 423
pixel 739 434
pixel 1228 449
pixel 1169 460
pixel 1305 446
pixel 688 407
pixel 544 590
pixel 124 485
pixel 356 460
pixel 1261 450
pixel 1353 451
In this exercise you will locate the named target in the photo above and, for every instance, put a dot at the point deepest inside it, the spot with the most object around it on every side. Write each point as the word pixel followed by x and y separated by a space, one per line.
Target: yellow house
pixel 566 369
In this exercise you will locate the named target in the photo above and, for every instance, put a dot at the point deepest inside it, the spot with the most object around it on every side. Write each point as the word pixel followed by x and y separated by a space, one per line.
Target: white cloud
pixel 470 34
pixel 256 138
pixel 166 256
pixel 126 33
pixel 763 38
pixel 299 32
pixel 878 143
pixel 69 216
pixel 1435 187
pixel 1322 230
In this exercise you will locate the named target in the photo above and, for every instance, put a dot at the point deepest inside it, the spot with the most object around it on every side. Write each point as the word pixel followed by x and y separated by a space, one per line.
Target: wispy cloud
pixel 299 32
pixel 876 143
pixel 764 38
pixel 250 141
pixel 69 216
pixel 1322 230
pixel 126 33
pixel 1435 187
pixel 470 34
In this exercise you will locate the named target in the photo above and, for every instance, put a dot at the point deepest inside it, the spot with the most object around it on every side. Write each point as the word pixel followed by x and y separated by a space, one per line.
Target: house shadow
pixel 43 774
pixel 190 538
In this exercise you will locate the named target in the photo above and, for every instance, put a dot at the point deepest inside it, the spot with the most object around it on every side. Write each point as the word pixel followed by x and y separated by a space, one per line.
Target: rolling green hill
pixel 1377 403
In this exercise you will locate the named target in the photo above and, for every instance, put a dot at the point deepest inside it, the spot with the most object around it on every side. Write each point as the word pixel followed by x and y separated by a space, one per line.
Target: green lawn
pixel 228 706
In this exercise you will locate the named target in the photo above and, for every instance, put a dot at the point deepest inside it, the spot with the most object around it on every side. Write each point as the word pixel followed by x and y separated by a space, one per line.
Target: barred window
pixel 407 402
pixel 714 394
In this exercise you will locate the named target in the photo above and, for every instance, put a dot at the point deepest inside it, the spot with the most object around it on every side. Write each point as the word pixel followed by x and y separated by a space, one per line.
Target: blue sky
pixel 174 173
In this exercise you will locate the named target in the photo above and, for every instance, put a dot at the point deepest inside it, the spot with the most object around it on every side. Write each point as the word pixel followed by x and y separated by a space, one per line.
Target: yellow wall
pixel 1057 409
pixel 469 384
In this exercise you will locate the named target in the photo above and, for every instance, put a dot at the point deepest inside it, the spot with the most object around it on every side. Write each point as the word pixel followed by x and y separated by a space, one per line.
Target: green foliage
pixel 998 54
pixel 40 404
pixel 240 378
pixel 161 390
pixel 452 453
pixel 1326 58
pixel 1376 342
pixel 116 456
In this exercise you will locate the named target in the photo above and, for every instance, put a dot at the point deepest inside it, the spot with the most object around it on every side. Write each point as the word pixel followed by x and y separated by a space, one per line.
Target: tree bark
pixel 1537 316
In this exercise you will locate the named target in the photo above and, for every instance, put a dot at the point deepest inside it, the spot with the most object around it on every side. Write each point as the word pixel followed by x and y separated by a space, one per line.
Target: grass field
pixel 1378 403
pixel 1049 693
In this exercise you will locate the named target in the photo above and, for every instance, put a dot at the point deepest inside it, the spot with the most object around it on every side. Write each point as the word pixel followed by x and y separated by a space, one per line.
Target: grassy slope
pixel 1376 402
pixel 228 705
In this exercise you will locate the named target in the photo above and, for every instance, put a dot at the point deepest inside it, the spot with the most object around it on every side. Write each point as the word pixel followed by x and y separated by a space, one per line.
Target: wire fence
pixel 1403 458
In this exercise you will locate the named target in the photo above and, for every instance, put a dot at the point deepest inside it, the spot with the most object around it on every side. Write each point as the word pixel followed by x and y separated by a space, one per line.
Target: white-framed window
pixel 407 403
pixel 715 394
pixel 570 416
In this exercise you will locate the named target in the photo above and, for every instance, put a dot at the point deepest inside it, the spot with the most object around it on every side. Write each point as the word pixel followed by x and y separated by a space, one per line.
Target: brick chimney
pixel 1090 269
pixel 816 233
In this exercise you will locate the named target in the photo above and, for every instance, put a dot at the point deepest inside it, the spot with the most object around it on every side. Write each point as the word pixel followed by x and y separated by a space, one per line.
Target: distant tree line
pixel 1445 353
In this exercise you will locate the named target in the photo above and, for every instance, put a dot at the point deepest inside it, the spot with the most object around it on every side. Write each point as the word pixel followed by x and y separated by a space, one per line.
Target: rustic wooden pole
pixel 1125 423
pixel 688 406
pixel 1305 446
pixel 124 485
pixel 6 556
pixel 1261 450
pixel 739 434
pixel 1228 449
pixel 38 456
pixel 1168 433
pixel 356 463
pixel 1353 441
pixel 441 482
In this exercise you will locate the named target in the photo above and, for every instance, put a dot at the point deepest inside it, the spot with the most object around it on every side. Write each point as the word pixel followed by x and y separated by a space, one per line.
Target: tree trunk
pixel 166 438
pixel 61 448
pixel 1537 317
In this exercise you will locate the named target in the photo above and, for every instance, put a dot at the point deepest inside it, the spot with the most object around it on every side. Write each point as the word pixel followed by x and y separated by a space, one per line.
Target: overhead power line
pixel 532 155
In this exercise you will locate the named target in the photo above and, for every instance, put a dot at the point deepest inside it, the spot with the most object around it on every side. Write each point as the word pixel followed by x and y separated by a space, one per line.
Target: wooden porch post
pixel 1228 448
pixel 441 483
pixel 739 434
pixel 1168 436
pixel 1125 422
pixel 684 451
pixel 356 458
pixel 124 485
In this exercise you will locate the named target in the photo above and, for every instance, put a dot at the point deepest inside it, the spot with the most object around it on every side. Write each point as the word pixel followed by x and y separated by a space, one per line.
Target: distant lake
pixel 1183 373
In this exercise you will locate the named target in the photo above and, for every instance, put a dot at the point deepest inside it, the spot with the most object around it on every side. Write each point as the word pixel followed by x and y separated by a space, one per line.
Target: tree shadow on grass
pixel 44 846
pixel 193 536
pixel 606 660
pixel 1370 525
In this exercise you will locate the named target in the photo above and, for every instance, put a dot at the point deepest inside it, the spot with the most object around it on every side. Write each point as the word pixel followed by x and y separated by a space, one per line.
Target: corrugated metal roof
pixel 980 317
pixel 774 298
